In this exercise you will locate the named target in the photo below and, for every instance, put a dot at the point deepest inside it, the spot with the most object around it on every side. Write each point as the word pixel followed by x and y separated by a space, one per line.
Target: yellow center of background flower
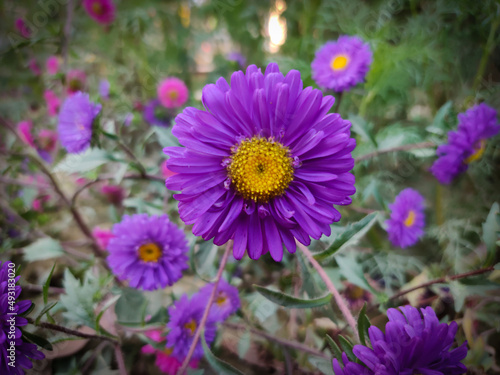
pixel 260 169
pixel 168 351
pixel 355 292
pixel 410 219
pixel 339 62
pixel 221 298
pixel 149 252
pixel 173 94
pixel 191 326
pixel 97 8
pixel 478 154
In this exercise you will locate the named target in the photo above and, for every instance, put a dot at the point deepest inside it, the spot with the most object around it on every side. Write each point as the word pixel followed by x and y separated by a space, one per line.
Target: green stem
pixel 490 44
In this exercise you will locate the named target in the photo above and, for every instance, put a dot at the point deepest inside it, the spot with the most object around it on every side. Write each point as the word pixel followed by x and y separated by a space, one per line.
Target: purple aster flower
pixel 407 221
pixel 238 57
pixel 263 165
pixel 185 316
pixel 412 344
pixel 104 89
pixel 342 64
pixel 466 144
pixel 75 122
pixel 227 300
pixel 155 114
pixel 148 251
pixel 12 347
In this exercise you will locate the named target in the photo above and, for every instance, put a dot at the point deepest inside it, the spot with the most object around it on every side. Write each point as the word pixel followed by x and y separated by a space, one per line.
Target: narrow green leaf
pixel 45 288
pixel 351 234
pixel 286 300
pixel 337 353
pixel 346 346
pixel 46 309
pixel 363 325
pixel 35 339
pixel 491 227
pixel 217 364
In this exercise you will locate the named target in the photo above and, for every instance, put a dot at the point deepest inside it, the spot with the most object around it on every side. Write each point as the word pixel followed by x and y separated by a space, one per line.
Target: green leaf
pixel 84 162
pixel 346 346
pixel 351 234
pixel 363 325
pixel 165 137
pixel 491 229
pixel 44 248
pixel 124 313
pixel 244 344
pixel 35 339
pixel 323 365
pixel 362 127
pixel 286 300
pixel 337 353
pixel 217 364
pixel 45 310
pixel 45 288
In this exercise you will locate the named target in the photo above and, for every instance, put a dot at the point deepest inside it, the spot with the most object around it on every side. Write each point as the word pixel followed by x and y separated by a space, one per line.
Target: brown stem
pixel 284 342
pixel 414 146
pixel 442 280
pixel 203 321
pixel 338 298
pixel 119 360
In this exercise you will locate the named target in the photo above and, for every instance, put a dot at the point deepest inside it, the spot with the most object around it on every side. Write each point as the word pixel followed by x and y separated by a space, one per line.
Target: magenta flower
pixel 75 81
pixel 102 11
pixel 35 69
pixel 24 129
pixel 102 237
pixel 114 194
pixel 52 65
pixel 172 93
pixel 342 64
pixel 263 165
pixel 164 359
pixel 53 102
pixel 467 144
pixel 22 28
pixel 407 221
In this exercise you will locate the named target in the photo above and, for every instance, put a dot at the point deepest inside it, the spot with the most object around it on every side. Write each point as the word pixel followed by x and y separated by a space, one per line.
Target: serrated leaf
pixel 84 162
pixel 217 364
pixel 286 300
pixel 337 353
pixel 35 339
pixel 350 234
pixel 45 288
pixel 346 346
pixel 124 313
pixel 491 229
pixel 44 248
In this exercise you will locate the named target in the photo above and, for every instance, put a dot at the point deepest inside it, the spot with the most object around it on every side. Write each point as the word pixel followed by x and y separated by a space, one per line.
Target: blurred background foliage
pixel 432 60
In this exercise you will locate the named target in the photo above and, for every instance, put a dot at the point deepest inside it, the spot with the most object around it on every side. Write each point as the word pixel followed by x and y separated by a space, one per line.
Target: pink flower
pixel 172 93
pixel 52 65
pixel 33 65
pixel 24 129
pixel 75 80
pixel 102 236
pixel 165 171
pixel 37 204
pixel 164 361
pixel 53 102
pixel 22 28
pixel 47 140
pixel 113 193
pixel 103 11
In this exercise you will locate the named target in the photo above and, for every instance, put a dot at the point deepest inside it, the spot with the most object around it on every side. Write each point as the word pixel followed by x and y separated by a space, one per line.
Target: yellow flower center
pixel 97 8
pixel 75 85
pixel 191 326
pixel 173 94
pixel 221 299
pixel 410 219
pixel 149 252
pixel 479 152
pixel 339 62
pixel 168 351
pixel 355 292
pixel 260 169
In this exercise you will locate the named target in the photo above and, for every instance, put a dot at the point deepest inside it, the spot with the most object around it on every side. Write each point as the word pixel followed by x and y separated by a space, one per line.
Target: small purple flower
pixel 104 89
pixel 226 301
pixel 407 221
pixel 155 114
pixel 75 122
pixel 185 316
pixel 23 352
pixel 466 144
pixel 343 64
pixel 412 344
pixel 238 57
pixel 263 165
pixel 148 251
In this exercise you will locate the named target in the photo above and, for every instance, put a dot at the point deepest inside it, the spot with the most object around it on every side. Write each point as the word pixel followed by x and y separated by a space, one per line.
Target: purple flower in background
pixel 226 300
pixel 407 221
pixel 238 57
pixel 412 344
pixel 75 122
pixel 102 11
pixel 185 316
pixel 155 114
pixel 342 64
pixel 263 165
pixel 148 251
pixel 466 144
pixel 128 119
pixel 104 89
pixel 23 352
pixel 22 28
